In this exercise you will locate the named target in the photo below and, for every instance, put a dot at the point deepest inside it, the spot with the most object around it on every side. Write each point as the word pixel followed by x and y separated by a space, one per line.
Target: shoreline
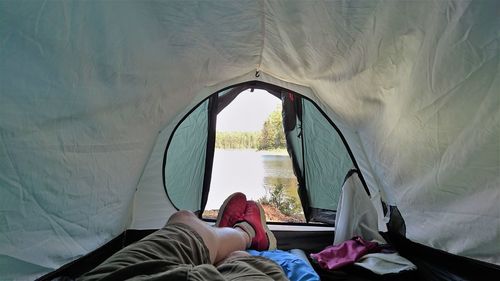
pixel 265 152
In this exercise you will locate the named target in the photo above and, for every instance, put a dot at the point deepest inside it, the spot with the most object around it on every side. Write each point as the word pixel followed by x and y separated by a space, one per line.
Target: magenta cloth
pixel 345 253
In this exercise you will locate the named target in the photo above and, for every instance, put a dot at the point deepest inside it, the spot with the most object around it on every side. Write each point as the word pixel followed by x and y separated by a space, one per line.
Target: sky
pixel 247 112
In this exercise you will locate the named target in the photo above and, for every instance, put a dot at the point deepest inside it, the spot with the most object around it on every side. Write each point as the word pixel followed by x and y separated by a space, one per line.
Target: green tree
pixel 236 140
pixel 272 135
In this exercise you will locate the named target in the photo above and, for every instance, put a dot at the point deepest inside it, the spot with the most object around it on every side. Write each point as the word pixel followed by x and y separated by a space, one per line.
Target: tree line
pixel 237 140
pixel 270 137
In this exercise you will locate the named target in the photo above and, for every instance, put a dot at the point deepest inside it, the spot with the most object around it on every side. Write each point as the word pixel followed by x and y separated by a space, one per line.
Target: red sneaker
pixel 232 210
pixel 264 239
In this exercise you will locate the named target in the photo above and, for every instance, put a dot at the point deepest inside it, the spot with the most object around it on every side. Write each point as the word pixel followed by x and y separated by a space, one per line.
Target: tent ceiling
pixel 85 87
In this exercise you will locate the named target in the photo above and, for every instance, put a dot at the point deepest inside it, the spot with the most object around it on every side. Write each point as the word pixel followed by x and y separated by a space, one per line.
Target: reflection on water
pixel 250 172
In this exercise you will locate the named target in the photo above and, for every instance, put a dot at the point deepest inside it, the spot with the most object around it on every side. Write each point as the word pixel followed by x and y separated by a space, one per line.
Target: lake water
pixel 251 172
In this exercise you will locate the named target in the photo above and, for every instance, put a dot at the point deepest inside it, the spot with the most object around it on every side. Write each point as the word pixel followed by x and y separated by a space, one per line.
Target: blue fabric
pixel 294 267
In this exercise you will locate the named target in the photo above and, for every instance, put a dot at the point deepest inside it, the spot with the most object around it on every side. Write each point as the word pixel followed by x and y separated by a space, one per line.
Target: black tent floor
pixel 353 273
pixel 433 265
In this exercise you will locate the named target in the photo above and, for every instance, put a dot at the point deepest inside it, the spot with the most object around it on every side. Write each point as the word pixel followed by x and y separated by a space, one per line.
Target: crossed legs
pixel 187 246
pixel 222 243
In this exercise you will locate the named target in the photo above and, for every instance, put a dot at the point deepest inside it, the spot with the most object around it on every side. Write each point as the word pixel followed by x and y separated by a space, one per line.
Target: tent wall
pixel 185 160
pixel 326 159
pixel 85 87
pixel 418 82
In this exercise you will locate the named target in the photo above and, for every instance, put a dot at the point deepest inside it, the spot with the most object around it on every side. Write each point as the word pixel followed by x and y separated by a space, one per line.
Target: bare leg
pixel 220 242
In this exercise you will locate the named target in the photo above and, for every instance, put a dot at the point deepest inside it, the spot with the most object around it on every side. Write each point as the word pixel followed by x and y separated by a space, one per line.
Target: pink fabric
pixel 345 253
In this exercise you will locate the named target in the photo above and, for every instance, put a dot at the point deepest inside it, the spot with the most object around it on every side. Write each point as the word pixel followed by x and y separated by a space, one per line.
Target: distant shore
pixel 280 151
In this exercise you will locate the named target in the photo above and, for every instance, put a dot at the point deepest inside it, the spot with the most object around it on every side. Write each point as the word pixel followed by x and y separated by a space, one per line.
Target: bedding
pixel 294 263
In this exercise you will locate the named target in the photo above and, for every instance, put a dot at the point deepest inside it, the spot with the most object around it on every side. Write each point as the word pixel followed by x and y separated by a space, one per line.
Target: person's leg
pixel 241 224
pixel 248 215
pixel 186 245
pixel 170 252
pixel 225 246
pixel 220 241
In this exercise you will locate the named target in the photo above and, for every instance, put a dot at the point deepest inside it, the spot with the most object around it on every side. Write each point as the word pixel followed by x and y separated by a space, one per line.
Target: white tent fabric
pixel 86 87
pixel 357 216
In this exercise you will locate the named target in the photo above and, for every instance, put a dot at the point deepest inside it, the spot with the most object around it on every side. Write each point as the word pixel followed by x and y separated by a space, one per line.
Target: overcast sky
pixel 247 112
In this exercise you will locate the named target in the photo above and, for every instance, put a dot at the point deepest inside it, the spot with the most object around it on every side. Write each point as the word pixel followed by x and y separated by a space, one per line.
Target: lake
pixel 251 172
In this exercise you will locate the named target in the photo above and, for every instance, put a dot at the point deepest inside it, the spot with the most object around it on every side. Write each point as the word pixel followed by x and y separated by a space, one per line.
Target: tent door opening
pixel 319 153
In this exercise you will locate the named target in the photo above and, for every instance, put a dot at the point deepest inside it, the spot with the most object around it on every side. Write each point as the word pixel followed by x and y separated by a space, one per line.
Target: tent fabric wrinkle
pixel 91 92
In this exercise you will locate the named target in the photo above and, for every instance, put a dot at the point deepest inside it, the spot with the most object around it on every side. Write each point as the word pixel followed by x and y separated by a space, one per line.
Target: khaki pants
pixel 178 253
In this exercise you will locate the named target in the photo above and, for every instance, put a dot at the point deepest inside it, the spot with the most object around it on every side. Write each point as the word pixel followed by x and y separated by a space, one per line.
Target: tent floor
pixel 432 264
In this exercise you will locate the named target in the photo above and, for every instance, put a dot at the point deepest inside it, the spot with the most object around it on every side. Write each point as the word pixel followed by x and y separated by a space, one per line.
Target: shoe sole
pixel 270 236
pixel 222 208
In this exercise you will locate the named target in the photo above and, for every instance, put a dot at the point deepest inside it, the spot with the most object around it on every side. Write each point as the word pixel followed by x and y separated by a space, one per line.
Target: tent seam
pixel 263 24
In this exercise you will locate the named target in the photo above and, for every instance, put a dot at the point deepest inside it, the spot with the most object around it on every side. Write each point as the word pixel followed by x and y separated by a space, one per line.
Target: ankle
pixel 246 231
pixel 254 223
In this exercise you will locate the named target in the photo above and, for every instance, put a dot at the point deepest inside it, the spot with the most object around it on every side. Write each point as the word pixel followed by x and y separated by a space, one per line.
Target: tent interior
pixel 107 113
